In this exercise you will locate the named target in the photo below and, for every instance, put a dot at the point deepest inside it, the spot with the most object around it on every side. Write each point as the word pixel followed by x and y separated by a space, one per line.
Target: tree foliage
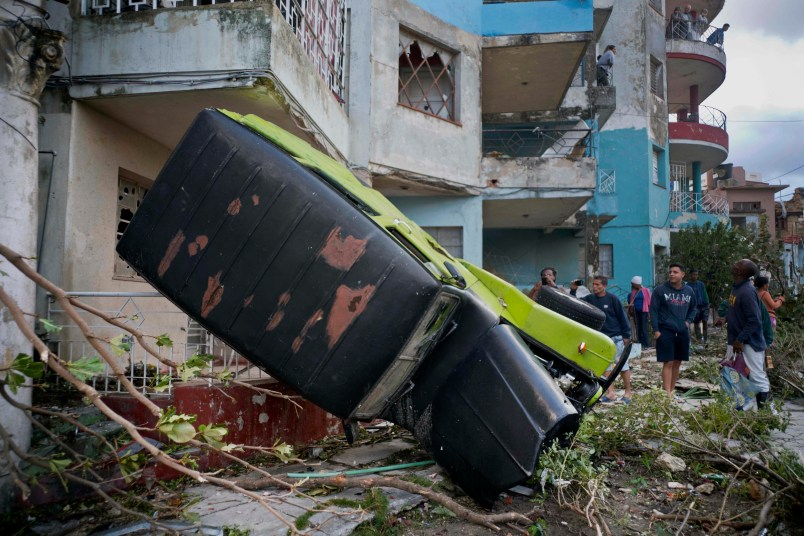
pixel 713 249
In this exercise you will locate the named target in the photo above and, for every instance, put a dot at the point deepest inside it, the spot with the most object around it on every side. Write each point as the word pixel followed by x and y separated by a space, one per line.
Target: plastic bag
pixel 735 383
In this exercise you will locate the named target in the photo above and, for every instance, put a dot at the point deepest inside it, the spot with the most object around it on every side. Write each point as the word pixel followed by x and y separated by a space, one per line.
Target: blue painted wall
pixel 538 17
pixel 464 14
pixel 640 205
pixel 549 16
pixel 518 255
pixel 466 212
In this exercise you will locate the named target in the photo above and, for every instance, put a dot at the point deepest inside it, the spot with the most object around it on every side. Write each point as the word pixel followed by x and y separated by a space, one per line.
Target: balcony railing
pixel 706 203
pixel 706 116
pixel 693 31
pixel 141 368
pixel 318 25
pixel 537 142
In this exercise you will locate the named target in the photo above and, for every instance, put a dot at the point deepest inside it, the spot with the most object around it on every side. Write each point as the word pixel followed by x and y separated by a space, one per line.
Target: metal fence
pixel 706 203
pixel 694 30
pixel 319 26
pixel 606 181
pixel 141 310
pixel 706 115
pixel 537 142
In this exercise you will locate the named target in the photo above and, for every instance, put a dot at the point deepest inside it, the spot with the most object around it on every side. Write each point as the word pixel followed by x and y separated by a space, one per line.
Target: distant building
pixel 790 229
pixel 748 197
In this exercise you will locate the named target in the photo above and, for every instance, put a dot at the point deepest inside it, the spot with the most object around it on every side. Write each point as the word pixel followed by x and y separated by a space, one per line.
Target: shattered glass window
pixel 131 189
pixel 426 76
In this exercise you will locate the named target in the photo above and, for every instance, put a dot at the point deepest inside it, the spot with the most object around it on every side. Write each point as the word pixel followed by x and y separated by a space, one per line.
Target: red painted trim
pixel 696 57
pixel 699 132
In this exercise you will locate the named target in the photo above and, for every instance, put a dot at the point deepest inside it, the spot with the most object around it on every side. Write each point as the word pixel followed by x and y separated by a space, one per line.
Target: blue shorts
pixel 618 342
pixel 672 346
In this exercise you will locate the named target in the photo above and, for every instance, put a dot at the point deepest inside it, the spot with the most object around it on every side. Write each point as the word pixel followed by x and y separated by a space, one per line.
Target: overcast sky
pixel 763 95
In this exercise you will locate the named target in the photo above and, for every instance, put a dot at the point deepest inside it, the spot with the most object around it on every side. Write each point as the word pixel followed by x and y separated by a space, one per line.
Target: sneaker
pixel 606 400
pixel 626 400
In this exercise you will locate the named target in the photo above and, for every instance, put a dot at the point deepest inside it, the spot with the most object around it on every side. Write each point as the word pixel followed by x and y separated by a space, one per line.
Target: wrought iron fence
pixel 706 115
pixel 606 181
pixel 319 26
pixel 694 30
pixel 140 367
pixel 706 203
pixel 538 142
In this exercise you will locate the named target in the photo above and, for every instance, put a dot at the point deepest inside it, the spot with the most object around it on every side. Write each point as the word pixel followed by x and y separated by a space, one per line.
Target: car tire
pixel 573 308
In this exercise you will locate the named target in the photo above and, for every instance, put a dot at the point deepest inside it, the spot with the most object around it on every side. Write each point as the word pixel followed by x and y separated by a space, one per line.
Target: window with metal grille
pixel 450 238
pixel 606 260
pixel 657 5
pixel 655 166
pixel 746 206
pixel 656 77
pixel 131 189
pixel 426 76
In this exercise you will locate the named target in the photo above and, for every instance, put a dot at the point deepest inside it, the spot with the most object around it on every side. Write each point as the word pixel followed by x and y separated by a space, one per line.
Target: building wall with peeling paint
pixel 634 131
pixel 518 255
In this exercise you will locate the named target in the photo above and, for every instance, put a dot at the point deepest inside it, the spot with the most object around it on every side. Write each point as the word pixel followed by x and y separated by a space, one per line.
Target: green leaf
pixel 442 511
pixel 283 451
pixel 25 364
pixel 164 340
pixel 57 466
pixel 162 383
pixel 129 465
pixel 14 380
pixel 120 344
pixel 86 367
pixel 231 447
pixel 213 434
pixel 180 432
pixel 195 364
pixel 49 326
pixel 224 375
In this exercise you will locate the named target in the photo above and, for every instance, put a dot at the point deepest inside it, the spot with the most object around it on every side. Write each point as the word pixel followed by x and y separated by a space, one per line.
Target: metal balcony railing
pixel 706 116
pixel 693 31
pixel 141 368
pixel 537 142
pixel 706 203
pixel 318 24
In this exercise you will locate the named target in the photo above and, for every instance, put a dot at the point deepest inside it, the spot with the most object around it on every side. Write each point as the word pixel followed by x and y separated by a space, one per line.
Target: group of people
pixel 689 24
pixel 678 308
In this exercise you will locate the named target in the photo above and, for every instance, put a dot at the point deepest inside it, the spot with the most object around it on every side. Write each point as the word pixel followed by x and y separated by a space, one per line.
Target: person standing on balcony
pixel 675 30
pixel 604 65
pixel 687 19
pixel 672 310
pixel 701 24
pixel 639 307
pixel 702 305
pixel 716 38
pixel 616 327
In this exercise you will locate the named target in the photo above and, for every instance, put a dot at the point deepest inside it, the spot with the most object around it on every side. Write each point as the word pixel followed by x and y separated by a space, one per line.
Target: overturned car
pixel 281 252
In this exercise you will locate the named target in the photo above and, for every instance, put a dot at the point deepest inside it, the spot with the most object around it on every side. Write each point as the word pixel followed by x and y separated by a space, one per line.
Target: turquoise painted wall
pixel 548 16
pixel 464 14
pixel 518 255
pixel 555 16
pixel 466 212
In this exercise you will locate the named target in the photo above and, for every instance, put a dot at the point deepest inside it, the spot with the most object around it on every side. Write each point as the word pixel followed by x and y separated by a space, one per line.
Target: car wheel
pixel 573 308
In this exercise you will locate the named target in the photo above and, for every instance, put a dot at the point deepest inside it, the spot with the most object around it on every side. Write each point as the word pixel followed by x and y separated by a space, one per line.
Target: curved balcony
pixel 700 137
pixel 692 61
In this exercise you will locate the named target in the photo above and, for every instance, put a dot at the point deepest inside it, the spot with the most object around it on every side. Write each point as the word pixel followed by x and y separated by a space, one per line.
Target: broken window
pixel 656 77
pixel 606 260
pixel 131 188
pixel 450 238
pixel 426 76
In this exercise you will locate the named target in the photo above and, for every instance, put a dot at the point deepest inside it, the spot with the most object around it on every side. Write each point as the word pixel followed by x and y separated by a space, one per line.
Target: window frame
pixel 601 270
pixel 121 270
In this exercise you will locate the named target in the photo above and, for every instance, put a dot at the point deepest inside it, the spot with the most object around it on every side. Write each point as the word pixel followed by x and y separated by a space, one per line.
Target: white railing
pixel 706 203
pixel 319 26
pixel 606 181
pixel 137 309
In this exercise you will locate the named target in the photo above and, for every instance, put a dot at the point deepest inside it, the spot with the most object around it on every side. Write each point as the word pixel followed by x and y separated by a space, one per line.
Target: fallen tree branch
pixel 490 521
pixel 764 513
pixel 700 520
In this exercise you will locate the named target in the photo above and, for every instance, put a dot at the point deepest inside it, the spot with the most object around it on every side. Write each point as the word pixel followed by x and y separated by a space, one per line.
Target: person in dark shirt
pixel 672 309
pixel 702 305
pixel 744 333
pixel 616 327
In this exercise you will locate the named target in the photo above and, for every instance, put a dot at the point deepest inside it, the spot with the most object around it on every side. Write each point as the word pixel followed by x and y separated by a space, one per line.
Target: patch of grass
pixel 235 531
pixel 753 428
pixel 418 480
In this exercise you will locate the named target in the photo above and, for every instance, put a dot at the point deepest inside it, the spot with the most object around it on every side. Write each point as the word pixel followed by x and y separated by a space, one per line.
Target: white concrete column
pixel 30 54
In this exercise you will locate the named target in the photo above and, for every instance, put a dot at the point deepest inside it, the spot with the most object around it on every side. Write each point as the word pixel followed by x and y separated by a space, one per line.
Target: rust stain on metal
pixel 342 253
pixel 279 314
pixel 312 321
pixel 248 301
pixel 197 245
pixel 170 253
pixel 349 303
pixel 213 295
pixel 234 207
pixel 255 200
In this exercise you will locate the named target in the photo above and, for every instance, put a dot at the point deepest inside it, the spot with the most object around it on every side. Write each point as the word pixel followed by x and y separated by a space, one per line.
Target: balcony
pixel 689 209
pixel 537 178
pixel 693 63
pixel 143 60
pixel 700 137
pixel 531 51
